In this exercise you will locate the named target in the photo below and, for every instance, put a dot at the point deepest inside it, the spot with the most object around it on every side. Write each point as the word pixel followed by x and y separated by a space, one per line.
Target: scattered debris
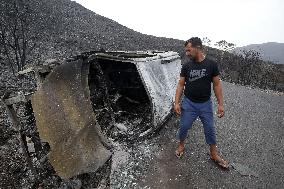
pixel 244 170
pixel 30 145
pixel 84 102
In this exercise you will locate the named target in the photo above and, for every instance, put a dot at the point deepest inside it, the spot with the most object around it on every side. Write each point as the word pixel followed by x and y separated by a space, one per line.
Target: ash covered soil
pixel 250 136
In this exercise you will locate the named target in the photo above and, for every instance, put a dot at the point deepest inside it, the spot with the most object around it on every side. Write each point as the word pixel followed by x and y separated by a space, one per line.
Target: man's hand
pixel 177 108
pixel 220 111
pixel 179 91
pixel 218 93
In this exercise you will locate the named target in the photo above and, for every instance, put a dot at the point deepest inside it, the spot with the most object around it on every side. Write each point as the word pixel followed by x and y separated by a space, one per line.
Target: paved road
pixel 251 135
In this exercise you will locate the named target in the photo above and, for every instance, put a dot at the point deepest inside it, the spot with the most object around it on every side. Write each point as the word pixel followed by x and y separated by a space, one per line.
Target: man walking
pixel 196 77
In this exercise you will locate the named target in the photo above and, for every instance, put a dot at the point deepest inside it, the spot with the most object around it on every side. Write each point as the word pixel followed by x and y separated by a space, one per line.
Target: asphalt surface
pixel 250 137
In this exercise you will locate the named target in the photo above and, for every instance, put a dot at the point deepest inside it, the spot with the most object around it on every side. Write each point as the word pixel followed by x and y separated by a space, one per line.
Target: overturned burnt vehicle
pixel 84 102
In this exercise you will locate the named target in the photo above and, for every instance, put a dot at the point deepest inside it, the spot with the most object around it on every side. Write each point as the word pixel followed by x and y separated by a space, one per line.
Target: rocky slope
pixel 71 28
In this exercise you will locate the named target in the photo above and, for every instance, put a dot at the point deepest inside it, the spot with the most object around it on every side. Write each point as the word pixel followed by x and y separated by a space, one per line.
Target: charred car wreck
pixel 86 101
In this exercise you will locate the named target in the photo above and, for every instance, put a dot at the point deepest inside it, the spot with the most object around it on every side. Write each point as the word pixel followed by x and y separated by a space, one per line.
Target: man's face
pixel 191 51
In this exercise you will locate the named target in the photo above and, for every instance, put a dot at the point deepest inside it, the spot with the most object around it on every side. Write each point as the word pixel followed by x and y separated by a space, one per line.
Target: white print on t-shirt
pixel 196 74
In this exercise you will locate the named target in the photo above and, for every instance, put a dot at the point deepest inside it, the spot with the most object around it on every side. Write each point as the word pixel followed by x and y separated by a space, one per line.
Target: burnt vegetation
pixel 248 69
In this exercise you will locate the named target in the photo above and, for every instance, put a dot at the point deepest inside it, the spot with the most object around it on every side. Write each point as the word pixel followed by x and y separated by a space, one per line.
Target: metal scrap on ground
pixel 100 95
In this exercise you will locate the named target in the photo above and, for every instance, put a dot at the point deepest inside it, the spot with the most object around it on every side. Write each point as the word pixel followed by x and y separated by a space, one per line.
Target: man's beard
pixel 192 57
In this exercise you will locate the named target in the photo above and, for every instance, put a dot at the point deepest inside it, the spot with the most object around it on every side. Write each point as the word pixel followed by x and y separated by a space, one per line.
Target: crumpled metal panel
pixel 160 78
pixel 65 119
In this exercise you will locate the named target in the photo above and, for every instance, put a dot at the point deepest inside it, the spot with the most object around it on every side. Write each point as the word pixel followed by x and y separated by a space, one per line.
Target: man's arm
pixel 219 95
pixel 179 90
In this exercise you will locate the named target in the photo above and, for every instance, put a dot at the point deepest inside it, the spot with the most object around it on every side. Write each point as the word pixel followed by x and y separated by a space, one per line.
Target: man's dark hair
pixel 195 42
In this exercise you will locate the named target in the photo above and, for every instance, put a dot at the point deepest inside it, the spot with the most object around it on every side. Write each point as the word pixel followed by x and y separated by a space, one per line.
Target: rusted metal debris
pixel 65 119
pixel 86 99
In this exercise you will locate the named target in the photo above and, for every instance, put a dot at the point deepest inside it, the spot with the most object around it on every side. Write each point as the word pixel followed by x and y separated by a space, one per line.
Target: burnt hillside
pixel 270 51
pixel 71 28
pixel 66 28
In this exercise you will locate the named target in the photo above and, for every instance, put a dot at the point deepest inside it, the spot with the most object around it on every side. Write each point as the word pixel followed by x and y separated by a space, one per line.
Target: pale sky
pixel 241 22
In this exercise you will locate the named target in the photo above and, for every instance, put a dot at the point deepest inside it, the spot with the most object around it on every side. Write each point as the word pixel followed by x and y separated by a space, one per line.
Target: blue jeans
pixel 189 113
